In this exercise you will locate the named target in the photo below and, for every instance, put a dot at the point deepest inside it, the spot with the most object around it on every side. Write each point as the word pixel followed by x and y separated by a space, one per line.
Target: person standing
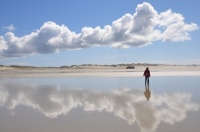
pixel 147 75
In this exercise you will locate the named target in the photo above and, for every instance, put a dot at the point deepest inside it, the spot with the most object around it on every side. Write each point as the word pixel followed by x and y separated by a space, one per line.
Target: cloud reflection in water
pixel 128 104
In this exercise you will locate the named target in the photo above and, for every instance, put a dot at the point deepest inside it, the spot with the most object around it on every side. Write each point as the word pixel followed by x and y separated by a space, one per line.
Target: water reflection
pixel 147 92
pixel 127 103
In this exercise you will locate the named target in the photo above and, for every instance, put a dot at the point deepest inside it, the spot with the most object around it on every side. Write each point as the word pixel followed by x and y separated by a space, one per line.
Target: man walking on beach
pixel 147 75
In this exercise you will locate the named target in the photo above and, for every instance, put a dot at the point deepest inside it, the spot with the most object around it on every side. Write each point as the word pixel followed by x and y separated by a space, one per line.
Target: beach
pixel 100 71
pixel 99 101
pixel 98 96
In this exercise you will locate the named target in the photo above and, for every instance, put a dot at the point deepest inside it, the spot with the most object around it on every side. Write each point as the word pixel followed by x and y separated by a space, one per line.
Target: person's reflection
pixel 147 92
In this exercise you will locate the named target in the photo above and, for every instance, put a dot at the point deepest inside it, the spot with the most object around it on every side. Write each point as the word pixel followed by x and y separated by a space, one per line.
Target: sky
pixel 63 32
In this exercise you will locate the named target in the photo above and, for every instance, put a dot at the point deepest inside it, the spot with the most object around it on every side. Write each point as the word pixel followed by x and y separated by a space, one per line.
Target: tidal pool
pixel 96 104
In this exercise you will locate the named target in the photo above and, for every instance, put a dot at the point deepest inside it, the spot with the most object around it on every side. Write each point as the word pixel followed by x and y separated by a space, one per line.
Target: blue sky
pixel 63 32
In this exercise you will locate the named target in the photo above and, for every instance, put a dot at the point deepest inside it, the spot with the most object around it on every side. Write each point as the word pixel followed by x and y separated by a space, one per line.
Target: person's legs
pixel 148 80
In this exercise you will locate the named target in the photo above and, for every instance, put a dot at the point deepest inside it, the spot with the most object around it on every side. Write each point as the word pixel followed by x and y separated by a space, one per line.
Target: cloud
pixel 10 28
pixel 142 28
pixel 127 104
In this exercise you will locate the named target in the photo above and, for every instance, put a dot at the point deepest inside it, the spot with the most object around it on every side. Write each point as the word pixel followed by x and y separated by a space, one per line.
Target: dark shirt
pixel 147 73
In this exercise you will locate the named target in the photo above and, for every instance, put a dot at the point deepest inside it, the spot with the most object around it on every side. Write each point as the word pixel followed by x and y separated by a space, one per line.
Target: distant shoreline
pixel 99 71
pixel 98 66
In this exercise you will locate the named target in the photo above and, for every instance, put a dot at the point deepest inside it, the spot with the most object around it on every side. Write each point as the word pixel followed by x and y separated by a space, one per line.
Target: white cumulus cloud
pixel 10 28
pixel 143 27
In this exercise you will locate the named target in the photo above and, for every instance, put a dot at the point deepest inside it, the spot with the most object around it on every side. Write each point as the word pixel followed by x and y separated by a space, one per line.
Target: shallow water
pixel 96 104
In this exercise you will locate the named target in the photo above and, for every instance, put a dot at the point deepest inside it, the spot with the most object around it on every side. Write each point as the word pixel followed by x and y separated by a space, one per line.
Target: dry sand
pixel 162 70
